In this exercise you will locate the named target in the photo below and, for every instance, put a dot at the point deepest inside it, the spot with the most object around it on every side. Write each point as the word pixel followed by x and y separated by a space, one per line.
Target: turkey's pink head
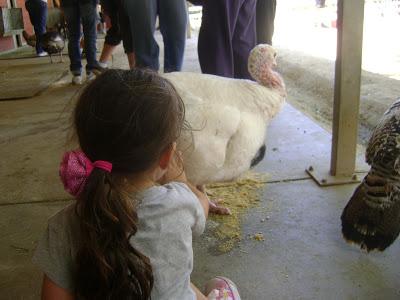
pixel 262 60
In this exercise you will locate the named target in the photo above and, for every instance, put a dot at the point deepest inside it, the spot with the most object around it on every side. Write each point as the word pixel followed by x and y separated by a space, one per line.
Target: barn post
pixel 350 21
pixel 347 86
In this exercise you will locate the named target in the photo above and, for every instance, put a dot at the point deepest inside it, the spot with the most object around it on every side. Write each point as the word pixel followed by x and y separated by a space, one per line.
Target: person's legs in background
pixel 244 38
pixel 173 22
pixel 88 15
pixel 131 59
pixel 106 53
pixel 142 19
pixel 73 20
pixel 127 39
pixel 37 10
pixel 215 37
pixel 113 35
pixel 266 10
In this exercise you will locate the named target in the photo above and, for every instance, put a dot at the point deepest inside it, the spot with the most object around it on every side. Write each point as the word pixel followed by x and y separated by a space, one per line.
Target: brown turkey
pixel 371 218
pixel 53 41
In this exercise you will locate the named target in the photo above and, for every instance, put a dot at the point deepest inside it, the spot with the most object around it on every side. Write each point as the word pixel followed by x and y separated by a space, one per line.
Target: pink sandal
pixel 221 288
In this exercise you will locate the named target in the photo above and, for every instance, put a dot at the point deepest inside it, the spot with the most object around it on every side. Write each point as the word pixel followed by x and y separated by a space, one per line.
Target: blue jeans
pixel 173 21
pixel 37 10
pixel 75 15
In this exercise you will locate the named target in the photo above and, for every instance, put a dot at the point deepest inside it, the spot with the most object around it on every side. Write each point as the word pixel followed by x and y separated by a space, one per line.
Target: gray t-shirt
pixel 168 216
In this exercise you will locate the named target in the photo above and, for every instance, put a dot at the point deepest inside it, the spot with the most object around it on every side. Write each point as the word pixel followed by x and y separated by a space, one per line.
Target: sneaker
pixel 221 288
pixel 90 76
pixel 41 54
pixel 98 69
pixel 104 65
pixel 77 79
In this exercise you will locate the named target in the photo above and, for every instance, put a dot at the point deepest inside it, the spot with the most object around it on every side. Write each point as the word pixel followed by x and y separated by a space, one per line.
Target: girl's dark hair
pixel 128 118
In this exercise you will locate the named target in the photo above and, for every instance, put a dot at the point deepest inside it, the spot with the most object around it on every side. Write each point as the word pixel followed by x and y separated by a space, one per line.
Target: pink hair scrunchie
pixel 75 168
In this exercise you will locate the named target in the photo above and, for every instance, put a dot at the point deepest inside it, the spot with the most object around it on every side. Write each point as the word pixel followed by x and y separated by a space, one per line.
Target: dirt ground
pixel 306 41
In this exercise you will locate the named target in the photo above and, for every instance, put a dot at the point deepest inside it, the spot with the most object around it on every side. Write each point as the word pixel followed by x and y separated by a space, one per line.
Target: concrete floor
pixel 303 255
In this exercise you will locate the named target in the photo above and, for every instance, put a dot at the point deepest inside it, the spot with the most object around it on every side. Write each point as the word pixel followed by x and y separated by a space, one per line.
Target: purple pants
pixel 227 35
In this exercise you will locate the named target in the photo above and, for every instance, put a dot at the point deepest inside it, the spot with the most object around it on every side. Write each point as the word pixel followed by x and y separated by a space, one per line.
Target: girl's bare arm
pixel 203 198
pixel 176 172
pixel 199 295
pixel 51 291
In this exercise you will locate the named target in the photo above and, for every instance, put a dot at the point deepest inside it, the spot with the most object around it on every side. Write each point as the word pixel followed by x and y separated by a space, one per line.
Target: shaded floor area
pixel 303 255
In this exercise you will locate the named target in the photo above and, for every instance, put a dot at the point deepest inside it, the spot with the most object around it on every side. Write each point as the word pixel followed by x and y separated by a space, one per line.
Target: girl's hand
pixel 175 170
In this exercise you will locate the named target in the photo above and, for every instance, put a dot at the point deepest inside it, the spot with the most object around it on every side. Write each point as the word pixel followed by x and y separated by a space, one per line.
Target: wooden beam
pixel 347 86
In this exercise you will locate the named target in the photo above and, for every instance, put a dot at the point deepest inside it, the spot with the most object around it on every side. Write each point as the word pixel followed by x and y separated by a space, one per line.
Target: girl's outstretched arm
pixel 51 291
pixel 176 172
pixel 203 198
pixel 199 295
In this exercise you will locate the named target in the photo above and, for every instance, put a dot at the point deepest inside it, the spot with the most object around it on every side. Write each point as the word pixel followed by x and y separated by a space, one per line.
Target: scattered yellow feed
pixel 239 196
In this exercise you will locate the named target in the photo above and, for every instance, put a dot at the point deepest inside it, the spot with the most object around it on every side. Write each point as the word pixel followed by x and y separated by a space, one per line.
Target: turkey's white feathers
pixel 246 95
pixel 203 154
pixel 229 118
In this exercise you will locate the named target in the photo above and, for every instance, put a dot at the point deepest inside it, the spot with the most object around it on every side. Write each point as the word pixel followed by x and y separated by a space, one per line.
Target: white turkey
pixel 228 118
pixel 371 218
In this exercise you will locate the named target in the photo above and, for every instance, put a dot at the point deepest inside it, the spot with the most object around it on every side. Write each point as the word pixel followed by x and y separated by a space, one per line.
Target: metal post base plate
pixel 324 178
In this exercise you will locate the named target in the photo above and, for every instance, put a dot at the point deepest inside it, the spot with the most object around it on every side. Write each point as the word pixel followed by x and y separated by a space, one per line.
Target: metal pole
pixel 347 86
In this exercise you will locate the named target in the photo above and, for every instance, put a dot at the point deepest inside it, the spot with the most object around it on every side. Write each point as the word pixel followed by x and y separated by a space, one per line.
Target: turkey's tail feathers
pixel 371 218
pixel 258 157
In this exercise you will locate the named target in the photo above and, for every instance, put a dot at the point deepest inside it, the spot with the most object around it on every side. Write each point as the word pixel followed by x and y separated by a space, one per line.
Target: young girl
pixel 129 233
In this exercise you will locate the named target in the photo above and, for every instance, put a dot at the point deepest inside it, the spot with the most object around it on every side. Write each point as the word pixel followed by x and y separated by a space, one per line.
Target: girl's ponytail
pixel 107 265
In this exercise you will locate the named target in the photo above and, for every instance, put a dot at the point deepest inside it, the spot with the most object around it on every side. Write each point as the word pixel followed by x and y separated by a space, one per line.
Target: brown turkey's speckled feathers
pixel 53 42
pixel 383 150
pixel 370 226
pixel 372 216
